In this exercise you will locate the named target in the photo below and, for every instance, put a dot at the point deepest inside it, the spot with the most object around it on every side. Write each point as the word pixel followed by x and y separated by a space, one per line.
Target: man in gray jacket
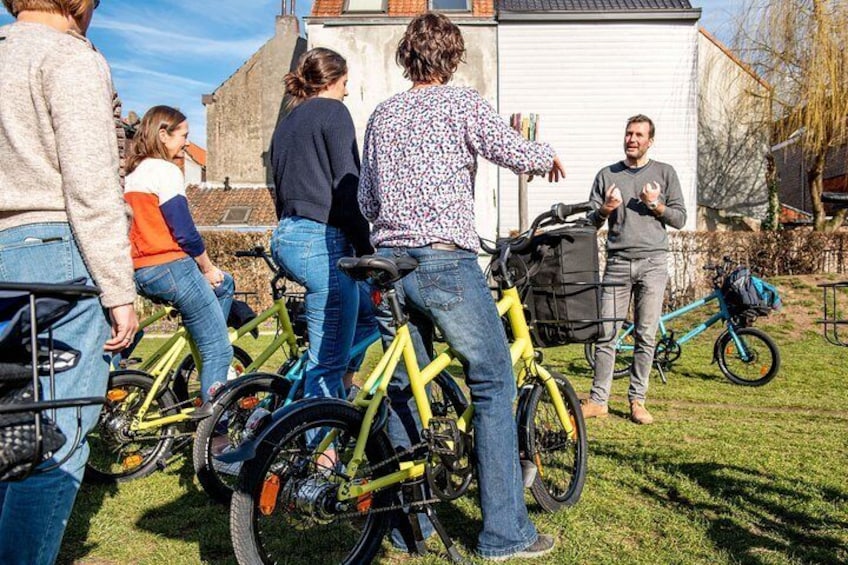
pixel 639 198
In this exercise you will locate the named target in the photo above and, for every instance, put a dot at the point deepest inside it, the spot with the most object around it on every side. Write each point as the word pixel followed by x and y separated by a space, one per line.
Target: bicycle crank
pixel 449 463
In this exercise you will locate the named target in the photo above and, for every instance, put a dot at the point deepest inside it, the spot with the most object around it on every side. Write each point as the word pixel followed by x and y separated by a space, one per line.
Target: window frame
pixel 384 6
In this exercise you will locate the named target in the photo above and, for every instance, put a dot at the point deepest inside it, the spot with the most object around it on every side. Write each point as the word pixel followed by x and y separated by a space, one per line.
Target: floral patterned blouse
pixel 420 158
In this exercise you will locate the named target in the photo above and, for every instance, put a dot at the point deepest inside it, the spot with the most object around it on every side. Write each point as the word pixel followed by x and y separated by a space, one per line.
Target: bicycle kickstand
pixel 661 371
pixel 453 554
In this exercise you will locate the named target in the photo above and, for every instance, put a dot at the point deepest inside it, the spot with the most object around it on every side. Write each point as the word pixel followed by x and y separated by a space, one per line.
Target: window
pixel 451 5
pixel 236 215
pixel 365 6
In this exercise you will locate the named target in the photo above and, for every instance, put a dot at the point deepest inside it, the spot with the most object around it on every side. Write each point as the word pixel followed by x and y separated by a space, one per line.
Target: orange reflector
pixel 268 497
pixel 248 403
pixel 132 461
pixel 117 395
pixel 363 503
pixel 728 350
pixel 763 371
pixel 197 402
pixel 538 460
pixel 573 427
pixel 376 297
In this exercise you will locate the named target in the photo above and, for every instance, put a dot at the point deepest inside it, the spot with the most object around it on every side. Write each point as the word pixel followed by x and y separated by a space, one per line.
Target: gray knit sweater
pixel 58 149
pixel 634 231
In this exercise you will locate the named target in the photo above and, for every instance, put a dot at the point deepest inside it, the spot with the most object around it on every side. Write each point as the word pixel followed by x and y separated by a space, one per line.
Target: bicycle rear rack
pixel 835 314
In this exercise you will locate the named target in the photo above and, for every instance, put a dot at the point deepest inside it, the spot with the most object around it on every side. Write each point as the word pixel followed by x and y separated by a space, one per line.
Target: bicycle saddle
pixel 382 271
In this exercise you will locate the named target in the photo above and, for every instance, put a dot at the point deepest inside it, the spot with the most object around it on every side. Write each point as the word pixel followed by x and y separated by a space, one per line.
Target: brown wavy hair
pixel 73 8
pixel 431 49
pixel 146 142
pixel 316 70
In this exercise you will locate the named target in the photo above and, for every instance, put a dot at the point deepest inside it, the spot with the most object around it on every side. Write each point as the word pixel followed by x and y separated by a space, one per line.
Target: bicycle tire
pixel 104 439
pixel 561 473
pixel 186 377
pixel 623 361
pixel 306 536
pixel 266 389
pixel 731 364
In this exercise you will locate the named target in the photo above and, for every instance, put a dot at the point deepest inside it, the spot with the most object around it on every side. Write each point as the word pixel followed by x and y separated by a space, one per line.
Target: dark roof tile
pixel 591 5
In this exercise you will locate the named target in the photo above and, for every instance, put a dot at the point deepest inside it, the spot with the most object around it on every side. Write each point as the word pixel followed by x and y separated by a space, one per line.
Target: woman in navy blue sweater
pixel 315 161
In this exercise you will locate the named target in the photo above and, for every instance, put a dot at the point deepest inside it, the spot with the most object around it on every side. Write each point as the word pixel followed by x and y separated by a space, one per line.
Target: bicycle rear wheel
pixel 755 363
pixel 560 458
pixel 119 454
pixel 285 507
pixel 238 408
pixel 623 355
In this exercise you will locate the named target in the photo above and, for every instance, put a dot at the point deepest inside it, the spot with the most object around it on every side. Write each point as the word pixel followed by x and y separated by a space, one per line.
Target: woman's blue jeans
pixel 204 312
pixel 338 309
pixel 449 289
pixel 34 512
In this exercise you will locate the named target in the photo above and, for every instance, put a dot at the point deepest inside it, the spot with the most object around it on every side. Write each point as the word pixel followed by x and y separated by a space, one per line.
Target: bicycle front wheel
pixel 753 361
pixel 119 453
pixel 286 510
pixel 186 383
pixel 235 411
pixel 560 457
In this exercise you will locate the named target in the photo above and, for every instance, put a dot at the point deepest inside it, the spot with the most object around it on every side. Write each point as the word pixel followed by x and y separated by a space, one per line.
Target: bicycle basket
pixel 558 279
pixel 28 435
pixel 747 296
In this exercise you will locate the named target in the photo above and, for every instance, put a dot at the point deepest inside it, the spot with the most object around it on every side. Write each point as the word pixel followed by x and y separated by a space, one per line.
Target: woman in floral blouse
pixel 417 189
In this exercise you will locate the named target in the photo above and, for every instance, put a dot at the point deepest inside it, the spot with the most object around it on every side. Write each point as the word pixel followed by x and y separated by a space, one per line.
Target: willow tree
pixel 799 47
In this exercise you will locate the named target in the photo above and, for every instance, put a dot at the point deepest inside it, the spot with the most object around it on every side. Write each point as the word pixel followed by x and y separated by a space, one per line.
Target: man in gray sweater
pixel 638 198
pixel 62 217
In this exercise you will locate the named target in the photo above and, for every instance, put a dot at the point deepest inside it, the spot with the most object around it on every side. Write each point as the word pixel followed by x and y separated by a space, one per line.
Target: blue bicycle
pixel 745 355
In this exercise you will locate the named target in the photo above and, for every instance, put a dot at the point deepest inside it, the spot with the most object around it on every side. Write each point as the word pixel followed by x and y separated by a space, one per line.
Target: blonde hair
pixel 73 8
pixel 146 142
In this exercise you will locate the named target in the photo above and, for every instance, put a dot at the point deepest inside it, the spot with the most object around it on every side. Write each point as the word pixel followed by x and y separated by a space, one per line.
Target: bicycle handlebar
pixel 558 214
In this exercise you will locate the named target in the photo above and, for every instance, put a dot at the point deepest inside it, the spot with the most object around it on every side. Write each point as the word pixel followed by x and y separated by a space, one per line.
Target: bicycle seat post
pixel 399 317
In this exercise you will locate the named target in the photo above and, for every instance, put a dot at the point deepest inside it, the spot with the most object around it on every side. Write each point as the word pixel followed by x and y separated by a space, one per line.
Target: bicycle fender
pixel 247 450
pixel 226 392
pixel 523 397
pixel 716 347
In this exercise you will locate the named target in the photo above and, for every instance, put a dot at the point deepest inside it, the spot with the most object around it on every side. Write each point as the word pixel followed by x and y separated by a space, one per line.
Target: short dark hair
pixel 431 49
pixel 642 119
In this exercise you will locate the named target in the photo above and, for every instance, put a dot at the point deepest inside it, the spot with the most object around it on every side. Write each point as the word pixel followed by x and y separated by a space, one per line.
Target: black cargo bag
pixel 559 282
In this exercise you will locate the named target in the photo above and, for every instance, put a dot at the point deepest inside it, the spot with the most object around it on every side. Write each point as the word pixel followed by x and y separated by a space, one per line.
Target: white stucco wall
pixel 585 79
pixel 374 77
pixel 733 134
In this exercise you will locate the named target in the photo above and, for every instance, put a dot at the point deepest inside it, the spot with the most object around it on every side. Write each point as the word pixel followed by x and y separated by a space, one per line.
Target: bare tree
pixel 799 47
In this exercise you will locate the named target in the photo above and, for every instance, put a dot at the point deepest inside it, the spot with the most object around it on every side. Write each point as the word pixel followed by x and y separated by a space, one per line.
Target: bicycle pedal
pixel 443 437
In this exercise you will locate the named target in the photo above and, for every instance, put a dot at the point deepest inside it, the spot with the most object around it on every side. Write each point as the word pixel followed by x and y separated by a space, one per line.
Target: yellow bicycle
pixel 144 416
pixel 324 480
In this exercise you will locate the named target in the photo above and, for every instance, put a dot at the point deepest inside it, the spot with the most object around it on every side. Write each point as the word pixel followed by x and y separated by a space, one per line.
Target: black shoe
pixel 542 546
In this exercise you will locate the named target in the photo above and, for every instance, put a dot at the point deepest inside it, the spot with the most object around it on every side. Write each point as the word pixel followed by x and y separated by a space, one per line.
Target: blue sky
pixel 167 52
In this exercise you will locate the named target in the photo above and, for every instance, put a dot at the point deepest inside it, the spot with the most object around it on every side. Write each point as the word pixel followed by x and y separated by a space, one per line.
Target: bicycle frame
pixel 164 359
pixel 723 315
pixel 375 390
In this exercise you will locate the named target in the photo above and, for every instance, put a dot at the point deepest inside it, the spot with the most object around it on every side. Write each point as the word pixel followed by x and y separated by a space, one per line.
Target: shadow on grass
pixel 193 517
pixel 88 503
pixel 748 513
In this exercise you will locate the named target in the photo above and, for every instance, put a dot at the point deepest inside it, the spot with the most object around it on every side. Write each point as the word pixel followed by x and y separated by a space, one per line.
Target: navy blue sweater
pixel 315 162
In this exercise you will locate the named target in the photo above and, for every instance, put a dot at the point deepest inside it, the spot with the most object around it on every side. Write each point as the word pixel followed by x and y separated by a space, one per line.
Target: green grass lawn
pixel 727 474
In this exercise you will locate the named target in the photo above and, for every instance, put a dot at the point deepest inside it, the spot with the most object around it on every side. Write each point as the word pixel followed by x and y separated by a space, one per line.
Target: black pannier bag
pixel 28 433
pixel 559 282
